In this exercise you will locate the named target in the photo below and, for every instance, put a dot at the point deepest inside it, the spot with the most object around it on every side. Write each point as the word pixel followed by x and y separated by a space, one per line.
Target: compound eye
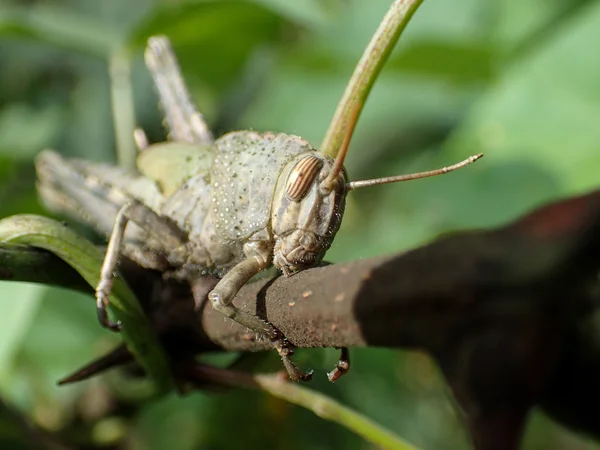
pixel 308 242
pixel 302 176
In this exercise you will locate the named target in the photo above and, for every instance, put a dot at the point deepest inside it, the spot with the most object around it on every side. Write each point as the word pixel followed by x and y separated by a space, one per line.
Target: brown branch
pixel 415 299
pixel 510 314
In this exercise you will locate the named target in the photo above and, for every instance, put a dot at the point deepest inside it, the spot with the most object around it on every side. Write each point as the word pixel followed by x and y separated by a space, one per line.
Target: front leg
pixel 221 298
pixel 171 239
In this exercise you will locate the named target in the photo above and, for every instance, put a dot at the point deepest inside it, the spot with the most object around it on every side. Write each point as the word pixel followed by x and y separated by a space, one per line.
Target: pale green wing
pixel 171 164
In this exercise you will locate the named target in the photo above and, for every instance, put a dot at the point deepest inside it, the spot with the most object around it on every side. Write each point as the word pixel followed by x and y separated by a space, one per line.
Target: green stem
pixel 329 409
pixel 366 73
pixel 122 107
pixel 279 386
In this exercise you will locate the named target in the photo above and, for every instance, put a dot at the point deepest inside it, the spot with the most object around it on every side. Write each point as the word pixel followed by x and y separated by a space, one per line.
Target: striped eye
pixel 302 176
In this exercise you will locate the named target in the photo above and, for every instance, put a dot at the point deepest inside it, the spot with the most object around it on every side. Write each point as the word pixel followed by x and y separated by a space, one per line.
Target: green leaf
pixel 18 307
pixel 213 39
pixel 24 130
pixel 58 26
pixel 456 62
pixel 306 12
pixel 41 232
pixel 545 109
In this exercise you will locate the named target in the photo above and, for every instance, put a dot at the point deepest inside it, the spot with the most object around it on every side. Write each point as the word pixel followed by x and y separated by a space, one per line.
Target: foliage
pixel 515 79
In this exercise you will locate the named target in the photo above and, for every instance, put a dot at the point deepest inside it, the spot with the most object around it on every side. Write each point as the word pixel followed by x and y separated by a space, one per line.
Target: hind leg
pixel 184 120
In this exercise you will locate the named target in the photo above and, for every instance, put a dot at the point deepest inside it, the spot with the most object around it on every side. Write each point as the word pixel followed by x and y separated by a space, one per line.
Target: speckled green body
pixel 230 207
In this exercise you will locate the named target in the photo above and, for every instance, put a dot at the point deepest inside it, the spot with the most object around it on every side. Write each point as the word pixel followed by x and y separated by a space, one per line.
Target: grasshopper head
pixel 309 201
pixel 305 214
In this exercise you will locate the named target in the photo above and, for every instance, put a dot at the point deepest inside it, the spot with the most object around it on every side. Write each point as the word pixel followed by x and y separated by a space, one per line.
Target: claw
pixel 101 312
pixel 343 366
pixel 294 372
pixel 285 349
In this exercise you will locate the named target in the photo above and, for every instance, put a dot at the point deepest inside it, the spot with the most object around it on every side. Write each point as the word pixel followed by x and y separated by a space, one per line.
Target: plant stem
pixel 329 409
pixel 366 73
pixel 278 386
pixel 122 107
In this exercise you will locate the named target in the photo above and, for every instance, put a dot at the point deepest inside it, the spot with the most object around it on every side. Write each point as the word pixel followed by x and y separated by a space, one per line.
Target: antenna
pixel 413 176
pixel 328 183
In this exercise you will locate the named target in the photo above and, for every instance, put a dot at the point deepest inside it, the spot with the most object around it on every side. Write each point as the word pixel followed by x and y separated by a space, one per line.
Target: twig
pixel 123 113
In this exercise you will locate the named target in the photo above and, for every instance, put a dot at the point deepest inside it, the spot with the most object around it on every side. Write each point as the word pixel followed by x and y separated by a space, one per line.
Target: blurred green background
pixel 515 79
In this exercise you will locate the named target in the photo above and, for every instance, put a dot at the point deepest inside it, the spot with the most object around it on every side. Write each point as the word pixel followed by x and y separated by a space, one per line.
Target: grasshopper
pixel 196 206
